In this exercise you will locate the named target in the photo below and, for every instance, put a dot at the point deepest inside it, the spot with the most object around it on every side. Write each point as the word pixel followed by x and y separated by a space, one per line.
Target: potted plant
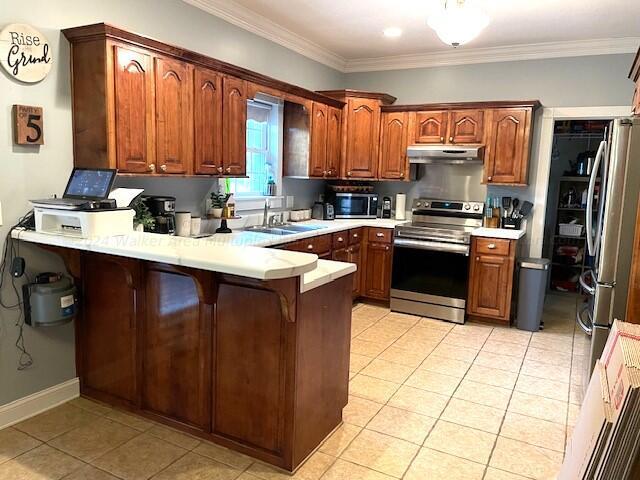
pixel 218 201
pixel 142 220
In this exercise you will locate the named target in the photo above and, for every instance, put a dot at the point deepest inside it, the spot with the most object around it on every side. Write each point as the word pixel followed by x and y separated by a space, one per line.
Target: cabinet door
pixel 318 154
pixel 208 121
pixel 334 141
pixel 176 346
pixel 234 113
pixel 466 126
pixel 490 281
pixel 377 281
pixel 355 256
pixel 363 130
pixel 507 155
pixel 107 332
pixel 393 146
pixel 174 116
pixel 430 127
pixel 134 111
pixel 635 104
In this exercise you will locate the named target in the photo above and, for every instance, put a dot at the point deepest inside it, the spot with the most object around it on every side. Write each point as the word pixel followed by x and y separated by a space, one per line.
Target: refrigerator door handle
pixel 591 241
pixel 583 283
pixel 586 329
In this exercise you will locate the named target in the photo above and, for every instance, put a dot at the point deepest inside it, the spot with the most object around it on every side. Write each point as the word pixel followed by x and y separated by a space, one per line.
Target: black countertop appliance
pixel 163 210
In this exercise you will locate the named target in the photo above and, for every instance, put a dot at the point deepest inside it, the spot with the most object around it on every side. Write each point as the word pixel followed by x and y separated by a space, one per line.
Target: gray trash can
pixel 531 290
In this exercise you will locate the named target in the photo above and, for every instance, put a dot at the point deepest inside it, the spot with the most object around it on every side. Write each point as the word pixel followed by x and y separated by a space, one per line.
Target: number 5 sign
pixel 28 125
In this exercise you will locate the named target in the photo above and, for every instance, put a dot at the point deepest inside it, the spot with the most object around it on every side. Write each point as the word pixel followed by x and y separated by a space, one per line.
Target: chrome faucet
pixel 265 218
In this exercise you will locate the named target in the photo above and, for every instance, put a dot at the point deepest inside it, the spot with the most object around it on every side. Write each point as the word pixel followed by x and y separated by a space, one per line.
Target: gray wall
pixel 33 173
pixel 579 81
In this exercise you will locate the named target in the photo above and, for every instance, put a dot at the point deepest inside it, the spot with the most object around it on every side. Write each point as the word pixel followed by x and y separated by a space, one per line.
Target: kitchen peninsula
pixel 245 346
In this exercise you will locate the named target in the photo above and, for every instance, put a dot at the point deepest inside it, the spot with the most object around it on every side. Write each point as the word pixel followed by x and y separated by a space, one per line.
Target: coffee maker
pixel 386 207
pixel 163 210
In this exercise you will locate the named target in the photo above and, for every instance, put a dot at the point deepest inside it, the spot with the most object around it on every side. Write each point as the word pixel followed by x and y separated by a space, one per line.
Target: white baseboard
pixel 38 402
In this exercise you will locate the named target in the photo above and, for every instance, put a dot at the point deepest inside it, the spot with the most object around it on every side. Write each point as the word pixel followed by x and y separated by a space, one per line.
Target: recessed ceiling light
pixel 392 32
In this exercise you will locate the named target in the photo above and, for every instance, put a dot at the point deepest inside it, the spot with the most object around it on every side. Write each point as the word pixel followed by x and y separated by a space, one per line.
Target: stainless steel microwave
pixel 355 205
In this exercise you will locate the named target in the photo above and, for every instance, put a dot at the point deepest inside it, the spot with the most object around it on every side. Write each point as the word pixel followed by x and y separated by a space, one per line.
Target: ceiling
pixel 347 35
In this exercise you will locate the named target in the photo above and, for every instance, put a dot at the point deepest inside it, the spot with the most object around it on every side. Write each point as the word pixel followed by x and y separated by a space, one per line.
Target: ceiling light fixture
pixel 392 32
pixel 458 22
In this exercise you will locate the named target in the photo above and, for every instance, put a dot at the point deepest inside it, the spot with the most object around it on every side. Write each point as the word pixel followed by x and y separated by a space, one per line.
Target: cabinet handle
pixel 310 246
pixel 163 168
pixel 441 139
pixel 324 173
pixel 349 173
pixel 355 235
pixel 491 246
pixel 451 139
pixel 228 169
pixel 477 259
pixel 387 247
pixel 152 168
pixel 340 239
pixel 379 234
pixel 489 178
pixel 220 169
pixel 402 175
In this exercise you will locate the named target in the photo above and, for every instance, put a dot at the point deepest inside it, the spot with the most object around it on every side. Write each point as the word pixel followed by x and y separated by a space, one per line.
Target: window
pixel 263 163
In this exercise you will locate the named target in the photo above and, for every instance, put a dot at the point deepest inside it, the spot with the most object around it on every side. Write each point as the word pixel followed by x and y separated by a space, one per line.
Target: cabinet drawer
pixel 493 246
pixel 341 239
pixel 355 236
pixel 318 245
pixel 380 235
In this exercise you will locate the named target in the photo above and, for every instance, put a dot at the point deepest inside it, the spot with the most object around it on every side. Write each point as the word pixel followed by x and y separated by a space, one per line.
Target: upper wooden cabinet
pixel 466 126
pixel 430 127
pixel 447 126
pixel 207 108
pixel 334 141
pixel 393 146
pixel 508 145
pixel 319 135
pixel 234 120
pixel 634 75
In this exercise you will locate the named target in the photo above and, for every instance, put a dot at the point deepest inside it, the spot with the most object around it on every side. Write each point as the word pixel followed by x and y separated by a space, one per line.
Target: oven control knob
pixel 467 206
pixel 476 207
pixel 418 204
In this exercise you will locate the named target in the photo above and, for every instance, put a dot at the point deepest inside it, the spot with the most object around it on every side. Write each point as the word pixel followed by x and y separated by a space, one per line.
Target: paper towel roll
pixel 401 206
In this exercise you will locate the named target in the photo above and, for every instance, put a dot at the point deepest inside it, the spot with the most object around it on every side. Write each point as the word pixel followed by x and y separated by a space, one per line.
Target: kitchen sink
pixel 302 228
pixel 285 229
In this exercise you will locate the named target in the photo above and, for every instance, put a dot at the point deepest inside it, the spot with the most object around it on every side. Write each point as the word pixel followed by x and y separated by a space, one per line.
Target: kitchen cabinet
pixel 393 146
pixel 448 126
pixel 207 109
pixel 347 247
pixel 378 256
pixel 334 141
pixel 466 126
pixel 234 121
pixel 174 116
pixel 491 279
pixel 508 146
pixel 634 75
pixel 319 140
pixel 430 127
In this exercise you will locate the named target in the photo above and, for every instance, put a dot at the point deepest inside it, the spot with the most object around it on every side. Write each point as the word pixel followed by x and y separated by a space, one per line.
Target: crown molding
pixel 246 19
pixel 510 53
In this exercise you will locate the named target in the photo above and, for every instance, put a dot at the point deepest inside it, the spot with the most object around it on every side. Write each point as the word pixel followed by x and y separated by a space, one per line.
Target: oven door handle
pixel 433 246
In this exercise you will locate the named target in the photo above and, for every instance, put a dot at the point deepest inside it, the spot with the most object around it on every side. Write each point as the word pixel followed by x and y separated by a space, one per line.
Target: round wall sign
pixel 25 53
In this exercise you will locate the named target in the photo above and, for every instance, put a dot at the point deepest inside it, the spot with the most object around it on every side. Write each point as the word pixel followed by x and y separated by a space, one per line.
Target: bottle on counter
pixel 231 207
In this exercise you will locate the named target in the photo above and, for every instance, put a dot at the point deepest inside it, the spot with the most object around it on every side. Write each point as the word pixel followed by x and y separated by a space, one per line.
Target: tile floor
pixel 428 400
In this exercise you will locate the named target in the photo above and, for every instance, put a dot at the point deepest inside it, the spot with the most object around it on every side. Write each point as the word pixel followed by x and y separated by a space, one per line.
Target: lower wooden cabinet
pixel 491 278
pixel 377 280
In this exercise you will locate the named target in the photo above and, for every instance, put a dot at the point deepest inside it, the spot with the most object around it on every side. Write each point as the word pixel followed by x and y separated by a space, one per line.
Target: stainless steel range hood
pixel 446 154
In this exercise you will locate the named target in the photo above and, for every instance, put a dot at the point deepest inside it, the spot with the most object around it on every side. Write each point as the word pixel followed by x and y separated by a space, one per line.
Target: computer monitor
pixel 90 183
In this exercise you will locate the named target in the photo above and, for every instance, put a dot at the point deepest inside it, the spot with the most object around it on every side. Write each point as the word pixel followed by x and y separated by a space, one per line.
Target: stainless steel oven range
pixel 431 259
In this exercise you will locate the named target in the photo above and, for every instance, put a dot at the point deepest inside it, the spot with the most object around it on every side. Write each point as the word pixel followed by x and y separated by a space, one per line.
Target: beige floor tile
pixel 550 357
pixel 55 422
pixel 524 459
pixel 342 470
pixel 435 324
pixel 445 366
pixel 551 343
pixel 392 372
pixel 402 424
pixel 403 357
pixel 130 420
pixel 495 474
pixel 463 442
pixel 359 411
pixel 340 439
pixel 499 362
pixel 247 476
pixel 419 401
pixel 542 370
pixel 41 463
pixel 402 319
pixel 576 394
pixel 359 325
pixel 140 458
pixel 358 362
pixel 379 335
pixel 223 455
pixel 473 415
pixel 483 394
pixel 432 465
pixel 427 333
pixel 368 349
pixel 373 312
pixel 372 388
pixel 492 376
pixel 312 469
pixel 473 330
pixel 94 439
pixel 534 431
pixel 542 387
pixel 577 374
pixel 433 382
pixel 416 344
pixel 505 348
pixel 174 436
pixel 89 472
pixel 197 467
pixel 90 405
pixel 14 442
pixel 572 416
pixel 510 335
pixel 538 407
pixel 456 352
pixel 380 452
pixel 467 341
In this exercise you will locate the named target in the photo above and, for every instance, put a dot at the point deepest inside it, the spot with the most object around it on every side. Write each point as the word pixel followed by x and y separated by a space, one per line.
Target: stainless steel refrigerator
pixel 610 228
